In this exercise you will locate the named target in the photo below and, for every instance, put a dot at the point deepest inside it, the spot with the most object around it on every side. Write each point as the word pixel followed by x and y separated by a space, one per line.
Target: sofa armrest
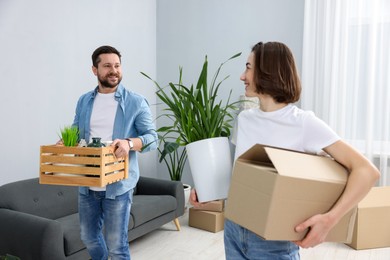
pixel 154 186
pixel 30 237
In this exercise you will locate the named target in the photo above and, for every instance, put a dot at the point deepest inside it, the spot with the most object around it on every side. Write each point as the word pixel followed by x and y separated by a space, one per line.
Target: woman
pixel 271 76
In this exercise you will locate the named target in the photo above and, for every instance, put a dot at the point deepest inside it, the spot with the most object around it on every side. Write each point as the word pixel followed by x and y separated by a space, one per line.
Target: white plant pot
pixel 211 167
pixel 187 192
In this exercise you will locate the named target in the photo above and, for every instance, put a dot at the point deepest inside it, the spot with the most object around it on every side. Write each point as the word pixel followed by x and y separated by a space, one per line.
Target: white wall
pixel 46 47
pixel 189 30
pixel 45 66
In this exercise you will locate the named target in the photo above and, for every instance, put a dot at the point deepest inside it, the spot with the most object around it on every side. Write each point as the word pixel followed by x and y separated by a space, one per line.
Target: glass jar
pixel 96 142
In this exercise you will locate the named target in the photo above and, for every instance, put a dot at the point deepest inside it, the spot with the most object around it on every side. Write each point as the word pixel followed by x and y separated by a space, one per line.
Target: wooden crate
pixel 81 166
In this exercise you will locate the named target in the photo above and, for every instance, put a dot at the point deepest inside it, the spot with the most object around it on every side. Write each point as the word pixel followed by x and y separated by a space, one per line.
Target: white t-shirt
pixel 102 120
pixel 289 127
pixel 103 116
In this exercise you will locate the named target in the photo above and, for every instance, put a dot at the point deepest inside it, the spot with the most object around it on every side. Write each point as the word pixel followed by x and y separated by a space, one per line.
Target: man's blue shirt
pixel 133 119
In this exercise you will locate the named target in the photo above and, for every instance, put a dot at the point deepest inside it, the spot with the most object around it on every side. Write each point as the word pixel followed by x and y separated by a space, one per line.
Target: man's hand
pixel 319 227
pixel 122 148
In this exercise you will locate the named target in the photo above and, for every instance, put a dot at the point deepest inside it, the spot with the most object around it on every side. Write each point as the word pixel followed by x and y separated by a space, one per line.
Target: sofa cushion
pixel 148 207
pixel 72 241
pixel 47 201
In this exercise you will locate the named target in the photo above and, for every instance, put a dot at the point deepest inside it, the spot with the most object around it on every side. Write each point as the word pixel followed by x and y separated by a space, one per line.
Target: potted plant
pixel 69 135
pixel 175 158
pixel 202 123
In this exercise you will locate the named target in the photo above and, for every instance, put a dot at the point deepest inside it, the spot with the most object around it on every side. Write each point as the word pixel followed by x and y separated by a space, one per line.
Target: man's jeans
pixel 95 212
pixel 241 243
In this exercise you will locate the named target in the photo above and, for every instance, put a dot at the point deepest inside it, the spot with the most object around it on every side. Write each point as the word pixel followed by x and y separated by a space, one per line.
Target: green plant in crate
pixel 195 112
pixel 69 135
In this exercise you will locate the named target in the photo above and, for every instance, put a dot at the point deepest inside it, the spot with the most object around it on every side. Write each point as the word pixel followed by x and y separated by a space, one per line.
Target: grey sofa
pixel 40 222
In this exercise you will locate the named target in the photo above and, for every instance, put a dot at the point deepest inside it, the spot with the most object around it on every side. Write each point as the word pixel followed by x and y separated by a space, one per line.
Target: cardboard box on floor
pixel 372 225
pixel 273 190
pixel 207 220
pixel 215 205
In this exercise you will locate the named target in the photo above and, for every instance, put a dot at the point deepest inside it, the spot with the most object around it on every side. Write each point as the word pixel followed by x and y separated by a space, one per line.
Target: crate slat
pixel 49 168
pixel 76 150
pixel 69 180
pixel 53 158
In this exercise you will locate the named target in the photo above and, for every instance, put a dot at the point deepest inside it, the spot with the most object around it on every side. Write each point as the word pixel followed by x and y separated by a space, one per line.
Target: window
pixel 346 72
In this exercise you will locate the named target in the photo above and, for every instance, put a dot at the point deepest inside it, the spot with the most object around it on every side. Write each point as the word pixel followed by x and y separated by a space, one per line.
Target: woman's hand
pixel 319 227
pixel 194 200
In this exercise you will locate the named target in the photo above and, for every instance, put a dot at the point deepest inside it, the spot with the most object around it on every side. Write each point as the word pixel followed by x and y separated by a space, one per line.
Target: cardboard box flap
pixel 296 164
pixel 256 155
pixel 306 166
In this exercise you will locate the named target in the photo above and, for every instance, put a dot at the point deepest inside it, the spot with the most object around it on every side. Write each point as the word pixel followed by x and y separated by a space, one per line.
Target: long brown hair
pixel 275 72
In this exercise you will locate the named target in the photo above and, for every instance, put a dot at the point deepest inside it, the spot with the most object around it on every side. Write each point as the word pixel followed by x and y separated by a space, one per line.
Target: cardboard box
pixel 81 166
pixel 207 220
pixel 216 205
pixel 372 226
pixel 273 190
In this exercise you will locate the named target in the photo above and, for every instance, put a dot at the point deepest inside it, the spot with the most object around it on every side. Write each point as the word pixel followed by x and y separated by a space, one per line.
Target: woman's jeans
pixel 241 243
pixel 95 212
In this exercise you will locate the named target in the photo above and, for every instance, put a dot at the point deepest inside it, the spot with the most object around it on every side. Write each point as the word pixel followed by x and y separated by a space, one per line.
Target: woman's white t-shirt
pixel 289 127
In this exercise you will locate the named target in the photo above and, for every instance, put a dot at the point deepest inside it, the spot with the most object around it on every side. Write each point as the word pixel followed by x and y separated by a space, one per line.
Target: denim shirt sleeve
pixel 134 119
pixel 145 128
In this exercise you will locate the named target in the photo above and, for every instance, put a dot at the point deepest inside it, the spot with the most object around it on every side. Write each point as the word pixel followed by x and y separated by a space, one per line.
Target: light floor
pixel 194 244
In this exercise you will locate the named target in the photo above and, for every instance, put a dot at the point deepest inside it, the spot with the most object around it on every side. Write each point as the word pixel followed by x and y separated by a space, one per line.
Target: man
pixel 112 113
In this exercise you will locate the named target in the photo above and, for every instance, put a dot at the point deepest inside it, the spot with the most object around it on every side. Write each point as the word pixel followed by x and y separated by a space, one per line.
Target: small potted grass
pixel 69 135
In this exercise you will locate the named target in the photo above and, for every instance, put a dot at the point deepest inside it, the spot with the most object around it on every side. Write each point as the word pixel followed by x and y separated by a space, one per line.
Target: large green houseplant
pixel 197 113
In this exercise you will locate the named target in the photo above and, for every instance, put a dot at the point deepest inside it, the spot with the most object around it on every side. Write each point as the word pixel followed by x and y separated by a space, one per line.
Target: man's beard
pixel 105 83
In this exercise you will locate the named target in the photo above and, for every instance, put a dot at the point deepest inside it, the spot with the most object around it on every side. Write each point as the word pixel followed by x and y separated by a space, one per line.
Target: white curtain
pixel 346 73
